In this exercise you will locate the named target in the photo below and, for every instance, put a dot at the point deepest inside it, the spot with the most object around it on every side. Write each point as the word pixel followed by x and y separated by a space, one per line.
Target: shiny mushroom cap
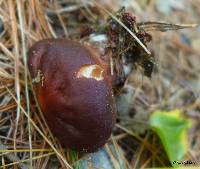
pixel 74 91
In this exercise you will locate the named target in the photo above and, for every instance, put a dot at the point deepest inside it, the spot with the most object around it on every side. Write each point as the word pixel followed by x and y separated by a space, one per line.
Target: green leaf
pixel 172 129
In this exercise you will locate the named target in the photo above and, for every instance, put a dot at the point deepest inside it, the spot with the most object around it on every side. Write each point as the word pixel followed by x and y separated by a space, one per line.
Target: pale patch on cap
pixel 91 71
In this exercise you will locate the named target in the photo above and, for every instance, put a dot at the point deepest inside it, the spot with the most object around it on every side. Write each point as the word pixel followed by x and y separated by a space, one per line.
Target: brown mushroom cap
pixel 74 92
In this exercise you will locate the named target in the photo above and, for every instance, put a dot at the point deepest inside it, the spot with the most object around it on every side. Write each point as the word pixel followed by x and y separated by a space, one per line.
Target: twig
pixel 16 47
pixel 19 7
pixel 163 26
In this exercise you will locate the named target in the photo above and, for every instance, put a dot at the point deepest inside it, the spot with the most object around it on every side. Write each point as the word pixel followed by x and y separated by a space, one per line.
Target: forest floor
pixel 174 84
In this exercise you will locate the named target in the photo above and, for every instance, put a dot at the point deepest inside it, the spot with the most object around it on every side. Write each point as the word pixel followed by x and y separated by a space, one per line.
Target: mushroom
pixel 73 86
